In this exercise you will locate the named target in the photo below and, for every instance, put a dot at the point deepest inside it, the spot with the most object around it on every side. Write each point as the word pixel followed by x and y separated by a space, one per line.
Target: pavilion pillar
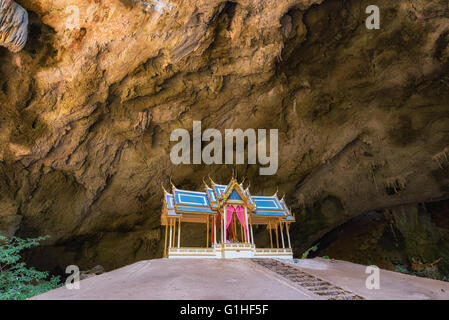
pixel 179 233
pixel 247 227
pixel 252 234
pixel 221 228
pixel 234 231
pixel 215 231
pixel 288 236
pixel 282 235
pixel 277 238
pixel 234 217
pixel 271 237
pixel 225 213
pixel 165 243
pixel 207 232
pixel 171 233
pixel 174 233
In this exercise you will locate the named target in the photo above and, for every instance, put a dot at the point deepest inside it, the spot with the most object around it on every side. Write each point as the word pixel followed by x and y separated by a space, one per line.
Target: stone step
pixel 313 284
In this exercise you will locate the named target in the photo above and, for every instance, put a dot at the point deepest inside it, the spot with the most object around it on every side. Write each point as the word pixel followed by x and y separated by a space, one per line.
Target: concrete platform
pixel 213 279
pixel 241 279
pixel 393 285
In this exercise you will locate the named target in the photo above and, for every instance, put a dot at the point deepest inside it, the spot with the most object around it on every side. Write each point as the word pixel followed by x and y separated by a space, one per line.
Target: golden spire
pixel 207 187
pixel 172 185
pixel 163 188
pixel 212 181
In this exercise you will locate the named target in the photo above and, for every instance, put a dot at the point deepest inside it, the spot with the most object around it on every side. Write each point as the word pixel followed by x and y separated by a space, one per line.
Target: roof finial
pixel 163 188
pixel 276 193
pixel 172 185
pixel 205 183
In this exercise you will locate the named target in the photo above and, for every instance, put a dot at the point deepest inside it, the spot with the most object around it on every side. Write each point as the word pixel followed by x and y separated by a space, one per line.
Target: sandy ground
pixel 240 279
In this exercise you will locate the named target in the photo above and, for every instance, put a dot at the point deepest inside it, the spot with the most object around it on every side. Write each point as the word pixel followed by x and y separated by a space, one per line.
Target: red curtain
pixel 240 212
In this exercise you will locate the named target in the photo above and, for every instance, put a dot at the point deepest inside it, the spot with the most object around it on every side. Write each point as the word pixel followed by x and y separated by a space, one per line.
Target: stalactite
pixel 13 25
pixel 442 158
pixel 143 121
pixel 397 183
pixel 156 5
pixel 301 201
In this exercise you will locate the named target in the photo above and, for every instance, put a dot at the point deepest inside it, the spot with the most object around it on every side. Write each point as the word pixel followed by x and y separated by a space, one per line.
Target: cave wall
pixel 86 114
pixel 409 238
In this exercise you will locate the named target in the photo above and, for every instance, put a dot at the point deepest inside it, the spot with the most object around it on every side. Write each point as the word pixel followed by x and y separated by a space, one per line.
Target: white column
pixel 288 237
pixel 179 233
pixel 282 235
pixel 247 227
pixel 252 235
pixel 171 231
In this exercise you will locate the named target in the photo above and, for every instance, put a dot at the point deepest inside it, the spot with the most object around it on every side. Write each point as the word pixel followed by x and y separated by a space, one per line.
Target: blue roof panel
pixel 191 198
pixel 211 195
pixel 194 209
pixel 267 203
pixel 286 209
pixel 169 200
pixel 269 213
pixel 219 189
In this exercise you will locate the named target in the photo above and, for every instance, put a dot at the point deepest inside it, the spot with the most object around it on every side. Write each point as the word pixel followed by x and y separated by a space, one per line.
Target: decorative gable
pixel 234 196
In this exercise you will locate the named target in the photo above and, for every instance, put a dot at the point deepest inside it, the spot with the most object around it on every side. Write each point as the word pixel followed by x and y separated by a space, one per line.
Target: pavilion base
pixel 230 251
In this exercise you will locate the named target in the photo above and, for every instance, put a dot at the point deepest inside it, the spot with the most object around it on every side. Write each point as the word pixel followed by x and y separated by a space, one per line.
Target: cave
pixel 383 239
pixel 362 120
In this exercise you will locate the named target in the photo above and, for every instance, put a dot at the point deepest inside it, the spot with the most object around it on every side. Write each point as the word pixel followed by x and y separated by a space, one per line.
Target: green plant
pixel 311 249
pixel 17 281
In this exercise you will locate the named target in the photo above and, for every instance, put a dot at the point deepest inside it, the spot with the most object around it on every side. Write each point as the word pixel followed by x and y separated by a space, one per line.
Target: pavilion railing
pixel 273 251
pixel 191 250
pixel 258 252
pixel 238 245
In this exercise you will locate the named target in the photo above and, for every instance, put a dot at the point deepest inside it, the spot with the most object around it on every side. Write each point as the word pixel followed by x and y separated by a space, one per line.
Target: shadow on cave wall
pixel 409 239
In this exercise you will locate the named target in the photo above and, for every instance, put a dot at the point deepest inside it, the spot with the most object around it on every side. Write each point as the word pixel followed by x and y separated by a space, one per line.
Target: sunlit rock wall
pixel 88 105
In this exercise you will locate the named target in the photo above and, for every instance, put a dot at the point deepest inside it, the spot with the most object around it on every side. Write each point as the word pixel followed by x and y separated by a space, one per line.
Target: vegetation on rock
pixel 17 280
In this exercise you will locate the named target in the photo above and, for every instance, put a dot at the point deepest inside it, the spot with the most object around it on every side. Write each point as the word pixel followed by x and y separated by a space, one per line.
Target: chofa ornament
pixel 13 25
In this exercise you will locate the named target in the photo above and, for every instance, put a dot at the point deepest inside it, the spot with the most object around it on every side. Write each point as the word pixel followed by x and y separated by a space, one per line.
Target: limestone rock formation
pixel 87 108
pixel 13 25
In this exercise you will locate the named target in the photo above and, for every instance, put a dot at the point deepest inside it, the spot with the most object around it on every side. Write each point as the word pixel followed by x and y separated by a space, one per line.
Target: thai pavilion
pixel 229 213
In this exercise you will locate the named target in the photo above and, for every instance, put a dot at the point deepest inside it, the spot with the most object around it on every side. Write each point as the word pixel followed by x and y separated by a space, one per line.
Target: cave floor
pixel 243 279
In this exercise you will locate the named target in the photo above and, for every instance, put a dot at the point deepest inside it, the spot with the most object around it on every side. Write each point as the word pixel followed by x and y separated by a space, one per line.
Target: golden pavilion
pixel 229 213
